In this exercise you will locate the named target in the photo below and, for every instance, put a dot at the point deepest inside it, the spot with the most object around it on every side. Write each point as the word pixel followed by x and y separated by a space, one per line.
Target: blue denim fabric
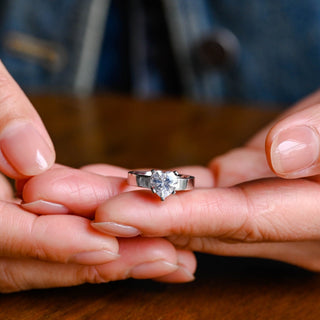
pixel 280 48
pixel 59 23
pixel 278 61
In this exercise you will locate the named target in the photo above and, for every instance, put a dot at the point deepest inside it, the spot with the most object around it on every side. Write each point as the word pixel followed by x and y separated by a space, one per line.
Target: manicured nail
pixel 45 207
pixel 94 257
pixel 183 274
pixel 152 269
pixel 116 229
pixel 294 149
pixel 25 149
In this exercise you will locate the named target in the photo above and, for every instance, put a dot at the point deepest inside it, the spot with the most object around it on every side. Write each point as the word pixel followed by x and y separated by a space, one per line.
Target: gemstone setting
pixel 163 183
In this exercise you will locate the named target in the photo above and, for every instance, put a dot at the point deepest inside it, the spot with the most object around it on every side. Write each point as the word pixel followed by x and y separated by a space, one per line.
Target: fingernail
pixel 25 149
pixel 181 275
pixel 152 269
pixel 45 207
pixel 94 257
pixel 184 275
pixel 116 229
pixel 294 149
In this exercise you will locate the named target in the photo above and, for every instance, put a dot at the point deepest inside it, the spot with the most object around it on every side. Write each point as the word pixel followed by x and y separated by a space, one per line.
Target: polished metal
pixel 144 179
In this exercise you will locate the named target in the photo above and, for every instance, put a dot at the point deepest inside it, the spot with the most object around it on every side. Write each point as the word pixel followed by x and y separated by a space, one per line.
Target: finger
pixel 20 183
pixel 106 170
pixel 63 190
pixel 140 258
pixel 240 165
pixel 6 191
pixel 187 266
pixel 305 254
pixel 203 176
pixel 258 140
pixel 61 238
pixel 293 144
pixel 249 162
pixel 266 210
pixel 143 258
pixel 25 146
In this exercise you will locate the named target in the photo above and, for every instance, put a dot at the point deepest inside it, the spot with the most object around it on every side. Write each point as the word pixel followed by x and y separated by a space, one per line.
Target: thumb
pixel 293 144
pixel 25 146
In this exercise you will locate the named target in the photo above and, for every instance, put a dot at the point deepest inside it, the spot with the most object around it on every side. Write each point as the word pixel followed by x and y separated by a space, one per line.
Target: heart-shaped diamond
pixel 163 183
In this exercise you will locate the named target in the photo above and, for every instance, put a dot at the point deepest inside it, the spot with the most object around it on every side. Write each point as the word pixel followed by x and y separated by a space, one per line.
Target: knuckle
pixel 92 274
pixel 6 90
pixel 10 243
pixel 190 212
pixel 38 250
pixel 200 244
pixel 9 98
pixel 183 242
pixel 41 242
pixel 251 227
pixel 8 282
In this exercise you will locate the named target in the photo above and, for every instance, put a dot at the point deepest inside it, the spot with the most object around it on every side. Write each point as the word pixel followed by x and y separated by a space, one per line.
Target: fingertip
pixel 187 259
pixel 79 191
pixel 293 143
pixel 24 150
pixel 152 269
pixel 25 145
pixel 130 213
pixel 240 165
pixel 187 264
pixel 45 207
pixel 293 152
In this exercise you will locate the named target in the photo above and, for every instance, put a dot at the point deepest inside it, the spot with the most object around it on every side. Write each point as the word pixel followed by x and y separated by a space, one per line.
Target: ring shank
pixel 142 179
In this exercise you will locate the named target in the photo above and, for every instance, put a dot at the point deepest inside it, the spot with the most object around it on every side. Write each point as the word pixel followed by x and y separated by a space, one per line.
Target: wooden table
pixel 164 133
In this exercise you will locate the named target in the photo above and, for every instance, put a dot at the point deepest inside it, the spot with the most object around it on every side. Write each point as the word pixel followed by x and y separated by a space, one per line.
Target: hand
pixel 25 150
pixel 25 146
pixel 250 211
pixel 76 252
pixel 61 250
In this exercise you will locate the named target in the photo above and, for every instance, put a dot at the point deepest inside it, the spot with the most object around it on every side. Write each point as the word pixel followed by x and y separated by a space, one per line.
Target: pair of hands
pixel 240 207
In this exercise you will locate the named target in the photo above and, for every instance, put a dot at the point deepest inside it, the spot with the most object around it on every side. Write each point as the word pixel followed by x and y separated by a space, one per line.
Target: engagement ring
pixel 161 183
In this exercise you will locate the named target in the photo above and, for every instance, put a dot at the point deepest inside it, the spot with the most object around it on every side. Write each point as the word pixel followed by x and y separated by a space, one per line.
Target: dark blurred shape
pixel 220 49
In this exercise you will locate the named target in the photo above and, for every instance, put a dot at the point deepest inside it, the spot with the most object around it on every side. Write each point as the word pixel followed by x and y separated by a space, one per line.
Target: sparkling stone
pixel 163 183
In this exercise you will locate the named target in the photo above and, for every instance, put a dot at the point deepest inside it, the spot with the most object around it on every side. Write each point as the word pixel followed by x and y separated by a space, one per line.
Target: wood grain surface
pixel 164 133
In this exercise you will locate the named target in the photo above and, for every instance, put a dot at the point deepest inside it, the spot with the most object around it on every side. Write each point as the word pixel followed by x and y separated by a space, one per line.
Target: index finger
pixel 63 190
pixel 265 210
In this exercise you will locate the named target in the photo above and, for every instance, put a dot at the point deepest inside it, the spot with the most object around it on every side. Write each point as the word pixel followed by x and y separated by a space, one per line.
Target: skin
pixel 252 211
pixel 242 205
pixel 42 251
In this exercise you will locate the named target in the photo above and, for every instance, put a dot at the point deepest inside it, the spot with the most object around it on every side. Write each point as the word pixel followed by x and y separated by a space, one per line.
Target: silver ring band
pixel 161 183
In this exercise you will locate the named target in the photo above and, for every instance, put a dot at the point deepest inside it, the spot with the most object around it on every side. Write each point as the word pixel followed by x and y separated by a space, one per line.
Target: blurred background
pixel 206 50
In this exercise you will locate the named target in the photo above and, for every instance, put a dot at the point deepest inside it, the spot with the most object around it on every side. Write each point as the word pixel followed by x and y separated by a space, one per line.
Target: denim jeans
pixel 59 45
